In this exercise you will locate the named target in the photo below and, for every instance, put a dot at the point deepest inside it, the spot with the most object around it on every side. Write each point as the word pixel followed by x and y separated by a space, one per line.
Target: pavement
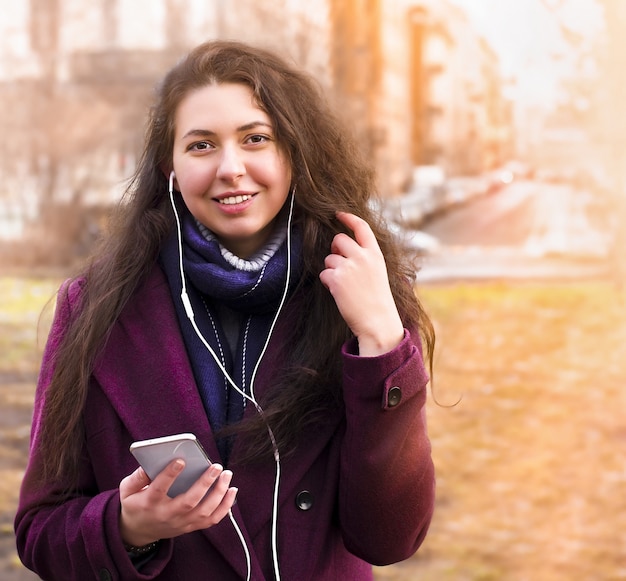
pixel 502 263
pixel 559 241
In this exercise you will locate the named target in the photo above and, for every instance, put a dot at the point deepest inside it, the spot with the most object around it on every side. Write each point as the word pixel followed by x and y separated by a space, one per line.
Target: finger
pixel 343 245
pixel 223 482
pixel 324 277
pixel 362 231
pixel 134 482
pixel 219 499
pixel 334 261
pixel 164 480
pixel 207 481
pixel 227 503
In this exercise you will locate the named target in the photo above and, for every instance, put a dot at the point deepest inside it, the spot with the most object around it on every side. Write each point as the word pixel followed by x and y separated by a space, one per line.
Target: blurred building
pixel 609 95
pixel 412 76
pixel 463 120
pixel 425 87
pixel 76 80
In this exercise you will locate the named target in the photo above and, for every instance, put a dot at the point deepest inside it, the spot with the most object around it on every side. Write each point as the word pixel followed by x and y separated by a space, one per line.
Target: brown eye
pixel 254 139
pixel 200 146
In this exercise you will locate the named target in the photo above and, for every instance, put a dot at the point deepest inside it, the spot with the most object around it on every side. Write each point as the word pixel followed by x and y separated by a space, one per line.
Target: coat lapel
pixel 145 371
pixel 146 374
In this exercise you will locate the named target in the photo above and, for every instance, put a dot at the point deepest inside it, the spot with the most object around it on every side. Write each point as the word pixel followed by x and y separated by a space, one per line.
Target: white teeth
pixel 234 200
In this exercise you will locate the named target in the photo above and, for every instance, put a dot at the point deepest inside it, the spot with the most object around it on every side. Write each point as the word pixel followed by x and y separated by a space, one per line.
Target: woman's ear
pixel 170 176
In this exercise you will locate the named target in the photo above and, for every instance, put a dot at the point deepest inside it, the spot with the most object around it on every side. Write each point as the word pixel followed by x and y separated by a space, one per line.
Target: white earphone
pixel 190 315
pixel 171 185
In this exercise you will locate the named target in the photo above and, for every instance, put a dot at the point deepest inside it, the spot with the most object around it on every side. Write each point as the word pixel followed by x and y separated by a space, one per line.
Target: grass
pixel 530 462
pixel 24 321
pixel 25 314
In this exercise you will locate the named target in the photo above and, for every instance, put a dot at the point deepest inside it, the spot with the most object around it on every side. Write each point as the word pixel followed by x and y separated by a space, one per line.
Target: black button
pixel 304 500
pixel 394 396
pixel 105 575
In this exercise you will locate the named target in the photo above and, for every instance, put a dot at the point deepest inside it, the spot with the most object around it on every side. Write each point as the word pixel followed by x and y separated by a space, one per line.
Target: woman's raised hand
pixel 356 276
pixel 149 514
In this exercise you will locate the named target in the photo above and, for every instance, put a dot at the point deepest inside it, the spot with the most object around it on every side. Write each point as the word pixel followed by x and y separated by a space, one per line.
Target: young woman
pixel 246 294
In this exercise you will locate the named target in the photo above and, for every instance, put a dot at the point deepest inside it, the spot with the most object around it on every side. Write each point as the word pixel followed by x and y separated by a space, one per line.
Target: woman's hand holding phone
pixel 149 514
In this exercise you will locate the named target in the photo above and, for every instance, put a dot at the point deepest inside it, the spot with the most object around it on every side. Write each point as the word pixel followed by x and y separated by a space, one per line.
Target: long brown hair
pixel 329 174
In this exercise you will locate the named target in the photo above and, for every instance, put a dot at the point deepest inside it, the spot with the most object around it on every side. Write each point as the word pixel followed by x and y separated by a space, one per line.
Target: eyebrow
pixel 246 127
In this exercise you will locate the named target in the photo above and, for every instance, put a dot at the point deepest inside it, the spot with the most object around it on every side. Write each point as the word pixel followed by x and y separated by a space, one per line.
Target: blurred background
pixel 497 129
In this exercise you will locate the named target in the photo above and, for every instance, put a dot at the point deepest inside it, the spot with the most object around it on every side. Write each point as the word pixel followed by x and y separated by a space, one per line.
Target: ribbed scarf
pixel 251 288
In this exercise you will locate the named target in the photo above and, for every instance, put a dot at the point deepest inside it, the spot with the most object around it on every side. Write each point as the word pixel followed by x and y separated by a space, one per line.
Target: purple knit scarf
pixel 212 281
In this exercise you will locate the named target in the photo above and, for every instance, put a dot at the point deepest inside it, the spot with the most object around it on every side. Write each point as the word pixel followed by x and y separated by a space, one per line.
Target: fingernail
pixel 179 465
pixel 215 470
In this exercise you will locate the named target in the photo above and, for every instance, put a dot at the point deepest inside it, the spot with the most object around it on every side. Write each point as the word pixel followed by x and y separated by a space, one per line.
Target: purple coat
pixel 368 471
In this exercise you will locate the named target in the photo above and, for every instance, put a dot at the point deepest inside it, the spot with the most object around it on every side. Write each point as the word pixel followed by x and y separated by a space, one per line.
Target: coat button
pixel 105 575
pixel 394 396
pixel 304 500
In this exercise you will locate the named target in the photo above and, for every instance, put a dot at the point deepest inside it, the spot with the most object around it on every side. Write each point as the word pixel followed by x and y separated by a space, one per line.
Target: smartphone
pixel 154 455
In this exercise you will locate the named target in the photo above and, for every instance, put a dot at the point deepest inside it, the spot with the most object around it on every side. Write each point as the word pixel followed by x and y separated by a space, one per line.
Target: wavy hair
pixel 329 173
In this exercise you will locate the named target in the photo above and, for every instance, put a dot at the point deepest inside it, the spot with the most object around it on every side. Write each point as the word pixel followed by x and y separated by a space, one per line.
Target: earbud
pixel 171 185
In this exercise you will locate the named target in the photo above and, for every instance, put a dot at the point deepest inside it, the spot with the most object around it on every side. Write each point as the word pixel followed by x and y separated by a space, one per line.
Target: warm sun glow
pixel 496 130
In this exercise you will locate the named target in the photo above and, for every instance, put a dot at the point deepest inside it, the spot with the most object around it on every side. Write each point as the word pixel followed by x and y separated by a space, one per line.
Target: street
pixel 527 229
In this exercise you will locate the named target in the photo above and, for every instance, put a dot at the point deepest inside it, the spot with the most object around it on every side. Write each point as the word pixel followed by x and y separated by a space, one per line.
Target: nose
pixel 231 164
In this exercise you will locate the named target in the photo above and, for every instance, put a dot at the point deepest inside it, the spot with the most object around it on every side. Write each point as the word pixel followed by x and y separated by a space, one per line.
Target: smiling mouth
pixel 231 201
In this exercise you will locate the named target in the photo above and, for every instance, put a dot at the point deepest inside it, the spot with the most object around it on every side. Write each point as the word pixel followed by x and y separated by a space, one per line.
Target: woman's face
pixel 229 169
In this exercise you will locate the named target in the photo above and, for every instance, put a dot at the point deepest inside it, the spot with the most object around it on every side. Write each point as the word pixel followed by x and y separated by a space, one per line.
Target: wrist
pixel 372 345
pixel 132 538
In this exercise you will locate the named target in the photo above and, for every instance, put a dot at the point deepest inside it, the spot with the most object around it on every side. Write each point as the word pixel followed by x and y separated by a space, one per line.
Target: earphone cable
pixel 190 315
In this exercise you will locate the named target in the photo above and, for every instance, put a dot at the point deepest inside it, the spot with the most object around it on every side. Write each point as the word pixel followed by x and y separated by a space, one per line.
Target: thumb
pixel 134 482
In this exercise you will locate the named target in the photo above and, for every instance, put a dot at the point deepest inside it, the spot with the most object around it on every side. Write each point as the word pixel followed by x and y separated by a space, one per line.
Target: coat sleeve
pixel 387 479
pixel 71 536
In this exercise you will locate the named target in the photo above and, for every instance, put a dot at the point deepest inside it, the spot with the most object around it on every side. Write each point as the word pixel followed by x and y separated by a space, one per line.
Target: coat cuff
pixel 106 552
pixel 390 379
